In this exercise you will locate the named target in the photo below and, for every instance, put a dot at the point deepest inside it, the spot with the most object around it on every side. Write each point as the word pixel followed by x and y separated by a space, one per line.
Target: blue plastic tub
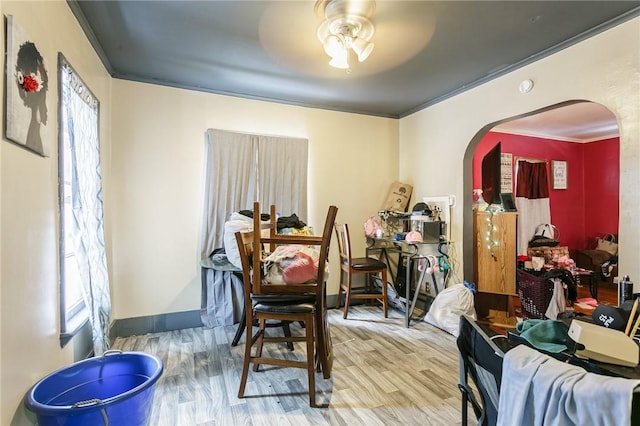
pixel 113 389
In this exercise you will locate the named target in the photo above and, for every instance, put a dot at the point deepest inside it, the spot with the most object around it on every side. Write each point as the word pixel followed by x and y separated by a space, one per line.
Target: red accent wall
pixel 602 187
pixel 589 207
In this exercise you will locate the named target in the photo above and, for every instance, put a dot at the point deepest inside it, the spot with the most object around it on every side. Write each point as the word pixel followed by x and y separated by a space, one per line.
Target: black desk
pixel 409 254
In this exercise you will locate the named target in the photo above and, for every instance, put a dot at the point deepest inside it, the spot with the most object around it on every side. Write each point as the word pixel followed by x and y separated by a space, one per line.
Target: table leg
pixel 593 285
pixel 241 326
pixel 407 315
pixel 421 279
pixel 243 319
pixel 383 256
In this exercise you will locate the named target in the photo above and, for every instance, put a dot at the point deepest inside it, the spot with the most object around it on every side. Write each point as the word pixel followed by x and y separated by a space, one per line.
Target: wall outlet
pixel 441 206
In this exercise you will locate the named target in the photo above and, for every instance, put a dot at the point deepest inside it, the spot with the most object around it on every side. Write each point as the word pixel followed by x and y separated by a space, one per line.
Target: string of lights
pixel 492 243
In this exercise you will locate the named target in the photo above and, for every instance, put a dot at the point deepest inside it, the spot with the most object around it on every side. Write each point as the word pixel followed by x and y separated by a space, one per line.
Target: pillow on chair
pixel 230 244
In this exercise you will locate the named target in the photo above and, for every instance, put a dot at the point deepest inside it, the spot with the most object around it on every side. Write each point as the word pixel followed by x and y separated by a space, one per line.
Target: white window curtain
pixel 80 118
pixel 230 182
pixel 242 168
pixel 282 167
pixel 532 200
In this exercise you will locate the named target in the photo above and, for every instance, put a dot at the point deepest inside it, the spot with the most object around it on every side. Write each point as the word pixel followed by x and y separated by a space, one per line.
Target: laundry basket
pixel 535 294
pixel 113 389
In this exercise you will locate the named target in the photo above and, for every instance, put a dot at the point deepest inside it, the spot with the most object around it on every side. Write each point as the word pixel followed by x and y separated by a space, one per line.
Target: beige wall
pixel 158 158
pixel 152 163
pixel 603 69
pixel 30 345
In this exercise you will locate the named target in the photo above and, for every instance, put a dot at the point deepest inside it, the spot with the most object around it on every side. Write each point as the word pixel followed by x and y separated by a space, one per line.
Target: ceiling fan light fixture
pixel 345 26
pixel 341 60
pixel 333 45
pixel 362 48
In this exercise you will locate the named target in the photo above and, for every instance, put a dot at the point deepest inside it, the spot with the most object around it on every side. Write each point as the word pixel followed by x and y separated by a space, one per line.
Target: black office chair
pixel 481 359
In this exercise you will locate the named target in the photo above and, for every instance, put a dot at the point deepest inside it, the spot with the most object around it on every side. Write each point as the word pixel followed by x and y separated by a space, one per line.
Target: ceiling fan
pixel 398 34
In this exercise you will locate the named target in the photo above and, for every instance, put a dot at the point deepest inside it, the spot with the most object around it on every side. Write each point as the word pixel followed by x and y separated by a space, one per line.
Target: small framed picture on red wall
pixel 559 171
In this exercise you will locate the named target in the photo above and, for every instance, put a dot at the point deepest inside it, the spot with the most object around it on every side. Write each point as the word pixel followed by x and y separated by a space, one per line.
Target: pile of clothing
pixel 242 221
pixel 288 264
pixel 292 264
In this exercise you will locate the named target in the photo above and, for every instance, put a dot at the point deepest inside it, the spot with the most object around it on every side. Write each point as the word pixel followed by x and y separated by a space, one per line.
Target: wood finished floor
pixel 607 293
pixel 383 374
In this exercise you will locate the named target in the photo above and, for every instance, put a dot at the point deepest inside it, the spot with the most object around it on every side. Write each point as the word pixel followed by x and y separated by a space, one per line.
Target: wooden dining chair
pixel 350 266
pixel 299 302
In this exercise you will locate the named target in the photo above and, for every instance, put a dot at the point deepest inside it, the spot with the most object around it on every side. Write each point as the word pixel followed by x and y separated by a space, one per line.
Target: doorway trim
pixel 469 249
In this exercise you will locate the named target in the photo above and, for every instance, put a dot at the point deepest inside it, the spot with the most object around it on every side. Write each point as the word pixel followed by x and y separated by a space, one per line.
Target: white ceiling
pixel 579 122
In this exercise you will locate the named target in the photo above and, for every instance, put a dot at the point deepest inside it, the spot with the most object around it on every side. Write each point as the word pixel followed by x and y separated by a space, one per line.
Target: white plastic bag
pixel 447 307
pixel 237 223
pixel 230 243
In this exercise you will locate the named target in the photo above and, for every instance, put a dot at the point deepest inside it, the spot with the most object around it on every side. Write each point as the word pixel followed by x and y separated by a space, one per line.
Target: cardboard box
pixel 548 252
pixel 398 198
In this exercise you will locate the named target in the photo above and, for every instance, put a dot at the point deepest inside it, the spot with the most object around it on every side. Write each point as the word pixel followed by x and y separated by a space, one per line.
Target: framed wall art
pixel 506 172
pixel 559 170
pixel 26 90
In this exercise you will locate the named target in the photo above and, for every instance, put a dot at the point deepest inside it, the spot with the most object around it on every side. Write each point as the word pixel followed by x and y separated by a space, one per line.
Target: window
pixel 242 168
pixel 73 308
pixel 84 286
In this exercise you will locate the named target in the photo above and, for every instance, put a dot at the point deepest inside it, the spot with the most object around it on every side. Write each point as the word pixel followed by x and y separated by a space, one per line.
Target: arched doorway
pixel 593 122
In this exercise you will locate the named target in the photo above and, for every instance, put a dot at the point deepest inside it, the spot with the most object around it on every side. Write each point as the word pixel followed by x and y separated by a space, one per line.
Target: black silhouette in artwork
pixel 32 80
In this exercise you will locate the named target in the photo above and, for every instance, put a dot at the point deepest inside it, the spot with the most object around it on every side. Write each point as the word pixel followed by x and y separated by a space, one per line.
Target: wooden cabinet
pixel 494 266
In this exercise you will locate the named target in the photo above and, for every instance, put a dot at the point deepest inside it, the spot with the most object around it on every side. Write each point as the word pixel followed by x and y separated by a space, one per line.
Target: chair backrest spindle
pixel 344 242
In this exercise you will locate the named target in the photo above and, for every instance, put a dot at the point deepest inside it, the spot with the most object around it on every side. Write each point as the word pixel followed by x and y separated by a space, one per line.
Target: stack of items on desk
pixel 611 338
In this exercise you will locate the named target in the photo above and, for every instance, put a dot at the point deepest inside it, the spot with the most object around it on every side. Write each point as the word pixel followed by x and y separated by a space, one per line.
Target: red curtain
pixel 532 182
